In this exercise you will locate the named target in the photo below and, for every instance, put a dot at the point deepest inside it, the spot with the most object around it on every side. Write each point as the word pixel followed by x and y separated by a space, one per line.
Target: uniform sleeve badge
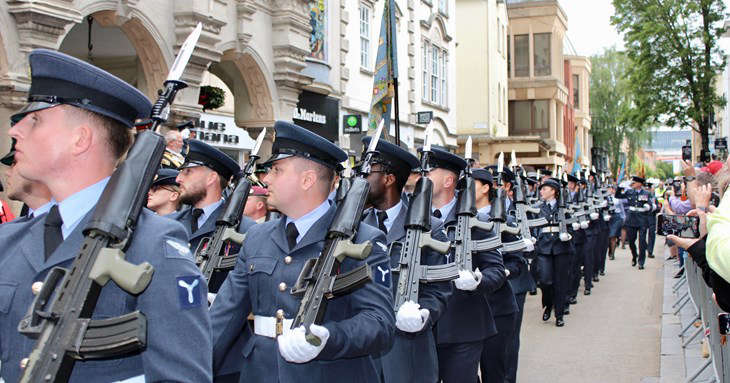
pixel 189 292
pixel 382 274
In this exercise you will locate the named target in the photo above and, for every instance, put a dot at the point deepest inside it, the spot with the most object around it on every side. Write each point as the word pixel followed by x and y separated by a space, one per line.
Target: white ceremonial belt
pixel 633 208
pixel 550 229
pixel 271 326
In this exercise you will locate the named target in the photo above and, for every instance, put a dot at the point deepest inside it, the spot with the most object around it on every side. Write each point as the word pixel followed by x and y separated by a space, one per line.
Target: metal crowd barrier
pixel 700 296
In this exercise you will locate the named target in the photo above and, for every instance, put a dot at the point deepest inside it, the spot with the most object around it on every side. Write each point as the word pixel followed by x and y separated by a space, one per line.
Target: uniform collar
pixel 77 205
pixel 392 214
pixel 41 210
pixel 446 209
pixel 485 210
pixel 305 222
pixel 207 211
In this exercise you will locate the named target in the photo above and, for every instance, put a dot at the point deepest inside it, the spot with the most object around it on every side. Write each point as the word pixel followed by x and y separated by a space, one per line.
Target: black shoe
pixel 546 314
pixel 650 255
pixel 566 311
pixel 595 278
pixel 679 273
pixel 641 267
pixel 559 322
pixel 633 262
pixel 602 272
pixel 587 292
pixel 533 292
pixel 611 257
pixel 573 300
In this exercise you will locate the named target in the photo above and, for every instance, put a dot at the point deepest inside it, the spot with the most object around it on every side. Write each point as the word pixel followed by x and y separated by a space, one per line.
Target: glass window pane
pixel 424 93
pixel 541 116
pixel 520 118
pixel 576 91
pixel 522 55
pixel 542 54
pixel 364 36
pixel 444 85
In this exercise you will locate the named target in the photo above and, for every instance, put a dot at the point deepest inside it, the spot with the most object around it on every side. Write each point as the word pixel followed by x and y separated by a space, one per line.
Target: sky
pixel 590 29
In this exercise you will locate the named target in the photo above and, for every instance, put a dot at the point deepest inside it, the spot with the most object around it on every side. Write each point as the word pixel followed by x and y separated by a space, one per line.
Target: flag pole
pixel 395 108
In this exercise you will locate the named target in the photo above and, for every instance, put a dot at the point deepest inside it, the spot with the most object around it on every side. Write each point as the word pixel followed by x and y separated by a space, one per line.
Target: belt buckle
pixel 279 322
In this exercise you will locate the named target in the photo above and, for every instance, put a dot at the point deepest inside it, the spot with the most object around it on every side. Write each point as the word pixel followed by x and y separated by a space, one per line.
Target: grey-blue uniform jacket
pixel 550 243
pixel 208 227
pixel 636 200
pixel 468 316
pixel 178 331
pixel 360 323
pixel 413 355
pixel 502 301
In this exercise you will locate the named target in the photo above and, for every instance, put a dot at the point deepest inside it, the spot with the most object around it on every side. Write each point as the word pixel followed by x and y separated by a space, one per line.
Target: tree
pixel 674 53
pixel 611 101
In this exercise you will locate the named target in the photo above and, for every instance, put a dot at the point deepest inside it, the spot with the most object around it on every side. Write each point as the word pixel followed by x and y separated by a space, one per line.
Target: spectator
pixel 174 140
pixel 256 207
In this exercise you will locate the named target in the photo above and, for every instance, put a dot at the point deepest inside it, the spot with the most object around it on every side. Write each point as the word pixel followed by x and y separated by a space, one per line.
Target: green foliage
pixel 664 170
pixel 611 101
pixel 211 97
pixel 673 49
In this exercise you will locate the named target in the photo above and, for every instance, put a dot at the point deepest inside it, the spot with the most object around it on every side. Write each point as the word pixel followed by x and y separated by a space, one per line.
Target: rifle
pixel 418 236
pixel 466 212
pixel 344 185
pixel 498 214
pixel 562 197
pixel 208 254
pixel 522 208
pixel 60 315
pixel 318 281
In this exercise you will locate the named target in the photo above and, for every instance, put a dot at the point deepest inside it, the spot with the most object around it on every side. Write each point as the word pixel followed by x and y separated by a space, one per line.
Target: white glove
pixel 529 246
pixel 575 225
pixel 584 224
pixel 565 237
pixel 410 317
pixel 467 281
pixel 606 217
pixel 294 347
pixel 647 207
pixel 211 298
pixel 594 216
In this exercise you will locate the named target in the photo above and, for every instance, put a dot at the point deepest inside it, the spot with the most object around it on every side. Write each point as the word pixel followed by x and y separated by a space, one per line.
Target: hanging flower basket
pixel 211 97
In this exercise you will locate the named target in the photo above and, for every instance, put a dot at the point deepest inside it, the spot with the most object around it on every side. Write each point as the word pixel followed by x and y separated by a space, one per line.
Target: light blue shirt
pixel 41 210
pixel 77 205
pixel 392 213
pixel 507 202
pixel 552 203
pixel 207 211
pixel 305 222
pixel 485 210
pixel 446 209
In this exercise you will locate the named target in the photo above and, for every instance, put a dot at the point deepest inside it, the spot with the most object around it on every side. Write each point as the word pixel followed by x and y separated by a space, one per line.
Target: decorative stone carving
pixel 290 36
pixel 40 24
pixel 245 10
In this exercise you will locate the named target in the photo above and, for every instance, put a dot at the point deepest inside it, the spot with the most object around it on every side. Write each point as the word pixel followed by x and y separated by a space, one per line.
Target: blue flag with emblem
pixel 576 164
pixel 386 70
pixel 622 172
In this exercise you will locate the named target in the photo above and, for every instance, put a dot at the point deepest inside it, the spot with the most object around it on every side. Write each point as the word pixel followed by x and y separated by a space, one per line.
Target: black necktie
pixel 52 234
pixel 382 216
pixel 194 224
pixel 291 234
pixel 437 213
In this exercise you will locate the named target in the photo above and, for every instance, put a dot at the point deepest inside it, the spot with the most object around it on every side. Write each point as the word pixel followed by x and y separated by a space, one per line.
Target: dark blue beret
pixel 507 175
pixel 166 176
pixel 398 159
pixel 482 175
pixel 293 140
pixel 573 178
pixel 552 182
pixel 545 172
pixel 638 179
pixel 202 154
pixel 57 78
pixel 442 158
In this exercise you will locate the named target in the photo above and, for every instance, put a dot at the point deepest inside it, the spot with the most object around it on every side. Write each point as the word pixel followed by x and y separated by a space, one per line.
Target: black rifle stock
pixel 522 208
pixel 209 254
pixel 318 281
pixel 562 223
pixel 498 215
pixel 418 236
pixel 60 316
pixel 463 245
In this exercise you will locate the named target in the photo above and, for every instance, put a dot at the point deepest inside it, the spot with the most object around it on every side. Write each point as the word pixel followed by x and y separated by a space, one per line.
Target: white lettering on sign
pixel 305 115
pixel 222 132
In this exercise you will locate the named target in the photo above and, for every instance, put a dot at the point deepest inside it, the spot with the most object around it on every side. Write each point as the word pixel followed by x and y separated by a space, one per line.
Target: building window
pixel 529 118
pixel 499 102
pixel 364 36
pixel 576 91
pixel 499 41
pixel 426 55
pixel 542 54
pixel 509 58
pixel 444 7
pixel 444 77
pixel 435 74
pixel 522 55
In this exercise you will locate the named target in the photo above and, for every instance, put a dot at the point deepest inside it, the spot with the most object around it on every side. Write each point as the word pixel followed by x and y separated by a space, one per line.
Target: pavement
pixel 612 335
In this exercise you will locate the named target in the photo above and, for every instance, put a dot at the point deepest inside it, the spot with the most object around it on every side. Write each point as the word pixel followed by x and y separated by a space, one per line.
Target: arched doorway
pixel 123 47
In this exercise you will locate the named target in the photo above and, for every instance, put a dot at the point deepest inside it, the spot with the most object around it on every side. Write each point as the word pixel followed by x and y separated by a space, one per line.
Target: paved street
pixel 613 335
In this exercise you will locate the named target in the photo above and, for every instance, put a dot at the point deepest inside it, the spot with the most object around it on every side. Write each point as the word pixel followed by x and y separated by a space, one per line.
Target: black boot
pixel 633 261
pixel 546 314
pixel 559 322
pixel 587 292
pixel 573 300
